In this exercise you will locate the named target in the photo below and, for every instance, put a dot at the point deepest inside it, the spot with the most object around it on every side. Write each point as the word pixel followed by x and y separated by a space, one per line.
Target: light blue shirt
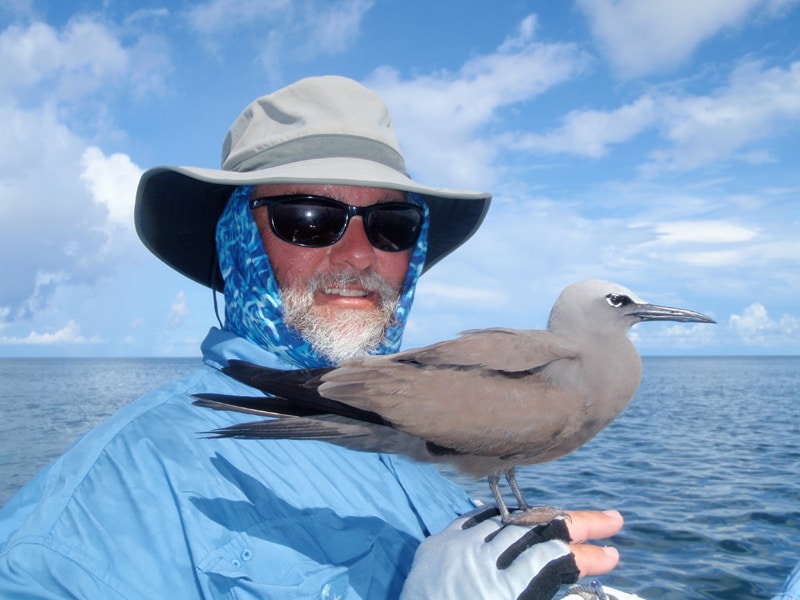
pixel 146 507
pixel 791 587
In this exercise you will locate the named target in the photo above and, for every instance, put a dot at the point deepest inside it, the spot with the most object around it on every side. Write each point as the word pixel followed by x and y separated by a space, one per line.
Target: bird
pixel 485 402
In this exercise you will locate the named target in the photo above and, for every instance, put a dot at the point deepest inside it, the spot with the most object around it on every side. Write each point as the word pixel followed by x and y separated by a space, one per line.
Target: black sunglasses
pixel 318 221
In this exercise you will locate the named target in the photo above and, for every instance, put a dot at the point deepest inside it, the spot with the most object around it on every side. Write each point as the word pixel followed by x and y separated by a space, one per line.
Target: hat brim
pixel 177 208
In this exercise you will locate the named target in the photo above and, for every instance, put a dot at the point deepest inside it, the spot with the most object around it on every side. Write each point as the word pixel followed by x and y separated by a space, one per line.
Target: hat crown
pixel 317 117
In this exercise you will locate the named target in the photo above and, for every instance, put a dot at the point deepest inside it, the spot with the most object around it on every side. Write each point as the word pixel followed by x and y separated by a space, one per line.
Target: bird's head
pixel 605 308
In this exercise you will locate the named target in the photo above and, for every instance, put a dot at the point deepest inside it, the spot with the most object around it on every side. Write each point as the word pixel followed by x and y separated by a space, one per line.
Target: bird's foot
pixel 535 515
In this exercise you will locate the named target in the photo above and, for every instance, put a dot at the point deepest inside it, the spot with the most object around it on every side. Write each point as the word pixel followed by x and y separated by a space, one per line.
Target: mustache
pixel 366 280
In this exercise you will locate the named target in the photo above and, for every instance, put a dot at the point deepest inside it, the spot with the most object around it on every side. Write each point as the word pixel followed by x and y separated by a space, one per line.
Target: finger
pixel 593 525
pixel 594 560
pixel 555 530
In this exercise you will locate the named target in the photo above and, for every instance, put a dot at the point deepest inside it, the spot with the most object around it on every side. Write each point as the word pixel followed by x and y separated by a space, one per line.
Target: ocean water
pixel 704 464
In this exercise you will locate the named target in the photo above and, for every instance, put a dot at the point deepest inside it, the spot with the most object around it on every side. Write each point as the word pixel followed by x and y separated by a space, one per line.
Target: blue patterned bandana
pixel 253 306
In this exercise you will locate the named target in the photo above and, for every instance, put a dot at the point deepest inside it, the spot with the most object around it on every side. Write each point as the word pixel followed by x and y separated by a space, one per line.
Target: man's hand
pixel 477 557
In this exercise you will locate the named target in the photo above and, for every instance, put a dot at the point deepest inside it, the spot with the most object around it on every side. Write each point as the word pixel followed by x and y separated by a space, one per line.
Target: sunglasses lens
pixel 316 221
pixel 308 222
pixel 393 227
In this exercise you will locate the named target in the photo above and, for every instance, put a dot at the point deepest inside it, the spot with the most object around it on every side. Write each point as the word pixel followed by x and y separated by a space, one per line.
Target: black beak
pixel 653 312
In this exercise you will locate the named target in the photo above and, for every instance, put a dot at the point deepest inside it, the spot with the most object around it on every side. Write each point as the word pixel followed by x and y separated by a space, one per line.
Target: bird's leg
pixel 536 515
pixel 511 478
pixel 494 485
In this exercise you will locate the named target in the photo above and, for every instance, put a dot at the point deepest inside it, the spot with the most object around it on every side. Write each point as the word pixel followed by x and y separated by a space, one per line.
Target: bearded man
pixel 317 237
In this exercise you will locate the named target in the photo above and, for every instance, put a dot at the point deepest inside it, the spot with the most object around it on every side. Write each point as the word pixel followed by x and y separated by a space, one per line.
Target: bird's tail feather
pixel 342 431
pixel 273 406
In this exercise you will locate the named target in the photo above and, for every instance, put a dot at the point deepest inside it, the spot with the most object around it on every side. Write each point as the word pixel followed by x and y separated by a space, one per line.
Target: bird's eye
pixel 618 300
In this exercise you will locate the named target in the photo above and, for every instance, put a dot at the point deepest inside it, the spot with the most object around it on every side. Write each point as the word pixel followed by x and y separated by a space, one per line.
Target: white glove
pixel 477 558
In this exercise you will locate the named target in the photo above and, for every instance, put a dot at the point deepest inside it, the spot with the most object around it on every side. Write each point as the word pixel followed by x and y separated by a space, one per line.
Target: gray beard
pixel 349 332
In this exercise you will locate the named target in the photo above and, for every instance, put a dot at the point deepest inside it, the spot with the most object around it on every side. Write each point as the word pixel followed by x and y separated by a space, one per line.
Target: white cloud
pixel 112 180
pixel 698 130
pixel 49 221
pixel 778 8
pixel 178 311
pixel 43 215
pixel 704 232
pixel 44 285
pixel 757 157
pixel 723 247
pixel 702 129
pixel 756 327
pixel 18 7
pixel 286 31
pixel 335 25
pixel 65 210
pixel 147 15
pixel 440 293
pixel 718 258
pixel 79 65
pixel 73 62
pixel 590 132
pixel 222 15
pixel 442 118
pixel 673 335
pixel 642 37
pixel 69 334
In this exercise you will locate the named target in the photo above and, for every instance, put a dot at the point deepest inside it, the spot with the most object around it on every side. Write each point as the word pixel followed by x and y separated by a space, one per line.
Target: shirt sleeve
pixel 791 588
pixel 33 570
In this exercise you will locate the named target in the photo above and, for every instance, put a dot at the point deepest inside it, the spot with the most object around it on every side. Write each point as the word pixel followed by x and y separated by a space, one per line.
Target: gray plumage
pixel 485 402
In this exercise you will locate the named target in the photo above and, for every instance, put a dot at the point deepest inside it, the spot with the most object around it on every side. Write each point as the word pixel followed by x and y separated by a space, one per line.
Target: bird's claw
pixel 536 515
pixel 532 517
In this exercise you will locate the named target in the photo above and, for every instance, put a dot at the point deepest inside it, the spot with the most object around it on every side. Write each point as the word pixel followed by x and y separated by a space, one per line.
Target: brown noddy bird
pixel 485 402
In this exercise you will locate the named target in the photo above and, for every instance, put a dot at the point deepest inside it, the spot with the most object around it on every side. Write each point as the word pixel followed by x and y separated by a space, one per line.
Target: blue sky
pixel 649 142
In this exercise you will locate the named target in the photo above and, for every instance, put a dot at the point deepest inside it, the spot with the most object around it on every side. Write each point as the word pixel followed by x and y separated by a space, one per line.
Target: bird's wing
pixel 499 349
pixel 484 393
pixel 299 384
pixel 343 431
pixel 265 406
pixel 292 392
pixel 294 420
pixel 471 411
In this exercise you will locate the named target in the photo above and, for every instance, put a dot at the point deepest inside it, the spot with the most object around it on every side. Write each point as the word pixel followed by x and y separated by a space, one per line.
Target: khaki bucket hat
pixel 318 130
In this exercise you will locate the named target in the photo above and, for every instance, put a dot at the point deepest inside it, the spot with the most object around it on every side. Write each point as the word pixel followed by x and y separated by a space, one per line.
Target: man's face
pixel 341 298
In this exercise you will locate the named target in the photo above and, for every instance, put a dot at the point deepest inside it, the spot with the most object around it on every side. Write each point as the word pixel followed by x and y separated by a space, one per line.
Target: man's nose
pixel 353 249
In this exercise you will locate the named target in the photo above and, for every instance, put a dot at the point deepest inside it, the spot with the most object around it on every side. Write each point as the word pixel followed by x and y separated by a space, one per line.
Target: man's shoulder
pixel 113 463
